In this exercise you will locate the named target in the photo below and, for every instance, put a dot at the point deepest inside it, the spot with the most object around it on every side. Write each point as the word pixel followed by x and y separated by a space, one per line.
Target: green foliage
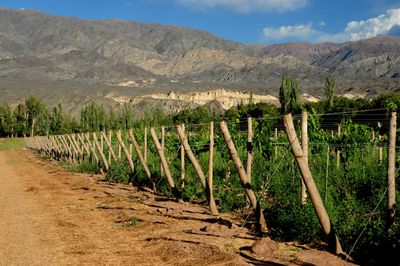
pixel 288 95
pixel 196 116
pixel 330 88
pixel 94 118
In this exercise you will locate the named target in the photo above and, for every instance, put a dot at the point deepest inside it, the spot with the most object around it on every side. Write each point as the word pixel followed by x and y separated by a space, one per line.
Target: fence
pixel 106 149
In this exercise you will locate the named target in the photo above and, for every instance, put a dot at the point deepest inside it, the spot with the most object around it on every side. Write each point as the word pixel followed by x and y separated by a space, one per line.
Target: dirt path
pixel 51 217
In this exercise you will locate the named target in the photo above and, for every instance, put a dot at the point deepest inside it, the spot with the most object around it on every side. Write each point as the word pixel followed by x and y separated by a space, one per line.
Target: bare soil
pixel 52 217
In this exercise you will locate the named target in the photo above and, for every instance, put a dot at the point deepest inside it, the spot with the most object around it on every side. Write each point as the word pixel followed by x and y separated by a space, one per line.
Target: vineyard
pixel 248 163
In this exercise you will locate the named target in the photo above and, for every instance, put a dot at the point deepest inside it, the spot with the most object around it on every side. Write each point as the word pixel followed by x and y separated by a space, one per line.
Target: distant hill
pixel 77 60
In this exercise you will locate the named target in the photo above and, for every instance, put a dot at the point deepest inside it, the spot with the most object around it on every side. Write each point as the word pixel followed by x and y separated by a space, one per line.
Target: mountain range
pixel 76 61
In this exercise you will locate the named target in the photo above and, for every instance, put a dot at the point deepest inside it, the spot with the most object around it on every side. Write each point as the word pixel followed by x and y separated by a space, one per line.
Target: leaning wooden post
pixel 139 153
pixel 304 144
pixel 183 162
pixel 243 177
pixel 313 192
pixel 213 206
pixel 391 182
pixel 92 149
pixel 111 153
pixel 125 150
pixel 197 168
pixel 98 145
pixel 165 165
pixel 191 156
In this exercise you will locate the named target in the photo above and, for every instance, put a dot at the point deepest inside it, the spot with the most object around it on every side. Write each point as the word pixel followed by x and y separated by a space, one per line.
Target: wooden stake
pixel 139 153
pixel 276 140
pixel 125 150
pixel 213 206
pixel 165 165
pixel 183 161
pixel 98 145
pixel 145 145
pixel 197 168
pixel 380 149
pixel 191 156
pixel 304 144
pixel 92 149
pixel 391 182
pixel 110 148
pixel 249 147
pixel 243 176
pixel 162 145
pixel 111 153
pixel 315 197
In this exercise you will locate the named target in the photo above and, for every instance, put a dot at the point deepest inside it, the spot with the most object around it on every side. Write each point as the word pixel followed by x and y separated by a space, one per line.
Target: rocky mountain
pixel 76 60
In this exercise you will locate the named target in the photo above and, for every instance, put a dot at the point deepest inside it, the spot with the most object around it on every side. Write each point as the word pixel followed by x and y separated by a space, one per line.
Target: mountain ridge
pixel 150 57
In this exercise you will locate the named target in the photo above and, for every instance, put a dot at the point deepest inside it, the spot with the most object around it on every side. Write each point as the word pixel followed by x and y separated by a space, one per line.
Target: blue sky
pixel 246 21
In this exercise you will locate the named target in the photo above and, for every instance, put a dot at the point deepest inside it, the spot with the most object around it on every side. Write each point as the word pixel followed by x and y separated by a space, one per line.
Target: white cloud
pixel 247 6
pixel 374 26
pixel 301 31
pixel 355 30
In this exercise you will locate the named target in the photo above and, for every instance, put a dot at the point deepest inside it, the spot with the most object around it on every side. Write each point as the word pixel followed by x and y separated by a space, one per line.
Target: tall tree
pixel 288 94
pixel 7 121
pixel 94 117
pixel 330 89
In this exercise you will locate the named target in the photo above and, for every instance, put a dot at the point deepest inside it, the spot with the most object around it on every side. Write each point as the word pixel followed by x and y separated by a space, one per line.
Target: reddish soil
pixel 53 217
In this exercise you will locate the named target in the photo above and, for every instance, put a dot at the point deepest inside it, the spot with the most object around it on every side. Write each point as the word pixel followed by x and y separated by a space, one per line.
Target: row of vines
pixel 348 162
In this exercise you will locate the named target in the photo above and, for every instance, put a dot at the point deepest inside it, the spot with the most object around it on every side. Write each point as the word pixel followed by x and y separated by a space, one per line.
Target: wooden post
pixel 304 144
pixel 191 156
pixel 249 147
pixel 391 182
pixel 81 139
pixel 197 167
pixel 339 130
pixel 92 149
pixel 165 165
pixel 70 154
pixel 110 148
pixel 213 206
pixel 125 150
pixel 183 162
pixel 119 150
pixel 276 140
pixel 315 197
pixel 75 149
pixel 243 176
pixel 338 158
pixel 139 153
pixel 98 145
pixel 102 142
pixel 111 153
pixel 380 149
pixel 162 146
pixel 145 145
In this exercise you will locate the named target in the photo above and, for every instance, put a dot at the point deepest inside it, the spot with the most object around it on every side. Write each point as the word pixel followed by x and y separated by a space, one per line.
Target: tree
pixel 94 117
pixel 6 121
pixel 330 88
pixel 288 94
pixel 38 118
pixel 20 115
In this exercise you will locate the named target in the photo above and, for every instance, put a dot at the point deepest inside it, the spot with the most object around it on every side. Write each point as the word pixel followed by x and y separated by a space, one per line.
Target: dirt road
pixel 51 217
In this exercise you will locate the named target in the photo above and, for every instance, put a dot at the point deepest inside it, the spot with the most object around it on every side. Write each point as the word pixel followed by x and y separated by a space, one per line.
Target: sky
pixel 245 21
